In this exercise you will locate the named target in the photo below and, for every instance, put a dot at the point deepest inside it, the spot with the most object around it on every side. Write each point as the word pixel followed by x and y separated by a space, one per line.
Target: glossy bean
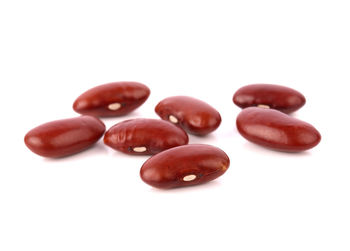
pixel 184 166
pixel 64 137
pixel 193 115
pixel 277 97
pixel 113 99
pixel 144 136
pixel 276 130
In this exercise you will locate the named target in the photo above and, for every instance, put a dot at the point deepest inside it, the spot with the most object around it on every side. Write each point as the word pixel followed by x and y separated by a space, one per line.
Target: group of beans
pixel 175 163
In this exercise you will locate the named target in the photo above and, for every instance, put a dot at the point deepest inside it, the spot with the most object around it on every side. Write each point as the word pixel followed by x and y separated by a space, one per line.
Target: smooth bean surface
pixel 184 166
pixel 277 97
pixel 276 130
pixel 64 137
pixel 193 115
pixel 144 136
pixel 113 99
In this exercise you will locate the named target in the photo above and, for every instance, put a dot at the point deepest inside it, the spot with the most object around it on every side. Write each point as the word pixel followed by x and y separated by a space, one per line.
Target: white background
pixel 52 51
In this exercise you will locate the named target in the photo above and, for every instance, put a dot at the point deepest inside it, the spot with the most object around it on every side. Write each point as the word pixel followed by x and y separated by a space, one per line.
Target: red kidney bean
pixel 144 136
pixel 184 166
pixel 276 130
pixel 113 99
pixel 64 137
pixel 193 115
pixel 277 97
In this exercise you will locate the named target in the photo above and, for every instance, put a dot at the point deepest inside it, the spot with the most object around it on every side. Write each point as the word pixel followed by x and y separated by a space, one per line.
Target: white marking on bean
pixel 140 149
pixel 114 106
pixel 189 177
pixel 173 119
pixel 264 106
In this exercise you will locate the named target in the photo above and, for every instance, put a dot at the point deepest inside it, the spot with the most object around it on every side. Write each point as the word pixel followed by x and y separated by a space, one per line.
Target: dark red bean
pixel 184 166
pixel 276 130
pixel 193 115
pixel 113 99
pixel 277 97
pixel 64 137
pixel 144 136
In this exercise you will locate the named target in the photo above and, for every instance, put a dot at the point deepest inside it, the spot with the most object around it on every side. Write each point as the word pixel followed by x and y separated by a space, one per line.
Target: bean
pixel 277 97
pixel 113 99
pixel 193 115
pixel 144 136
pixel 64 137
pixel 276 130
pixel 184 166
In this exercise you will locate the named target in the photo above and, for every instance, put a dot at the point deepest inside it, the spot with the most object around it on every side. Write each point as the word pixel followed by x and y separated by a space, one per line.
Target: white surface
pixel 50 52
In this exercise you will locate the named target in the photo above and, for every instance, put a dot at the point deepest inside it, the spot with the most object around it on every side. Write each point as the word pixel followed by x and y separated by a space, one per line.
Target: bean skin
pixel 193 115
pixel 144 136
pixel 184 166
pixel 277 97
pixel 276 130
pixel 113 99
pixel 64 137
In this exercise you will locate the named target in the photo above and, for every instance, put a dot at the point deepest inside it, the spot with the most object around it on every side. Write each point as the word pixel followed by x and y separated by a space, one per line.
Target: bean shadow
pixel 265 150
pixel 110 121
pixel 97 149
pixel 202 187
pixel 205 139
pixel 118 154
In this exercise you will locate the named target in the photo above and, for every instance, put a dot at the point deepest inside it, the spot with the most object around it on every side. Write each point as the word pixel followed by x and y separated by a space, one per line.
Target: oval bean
pixel 113 99
pixel 193 115
pixel 64 137
pixel 277 97
pixel 184 166
pixel 144 136
pixel 276 130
